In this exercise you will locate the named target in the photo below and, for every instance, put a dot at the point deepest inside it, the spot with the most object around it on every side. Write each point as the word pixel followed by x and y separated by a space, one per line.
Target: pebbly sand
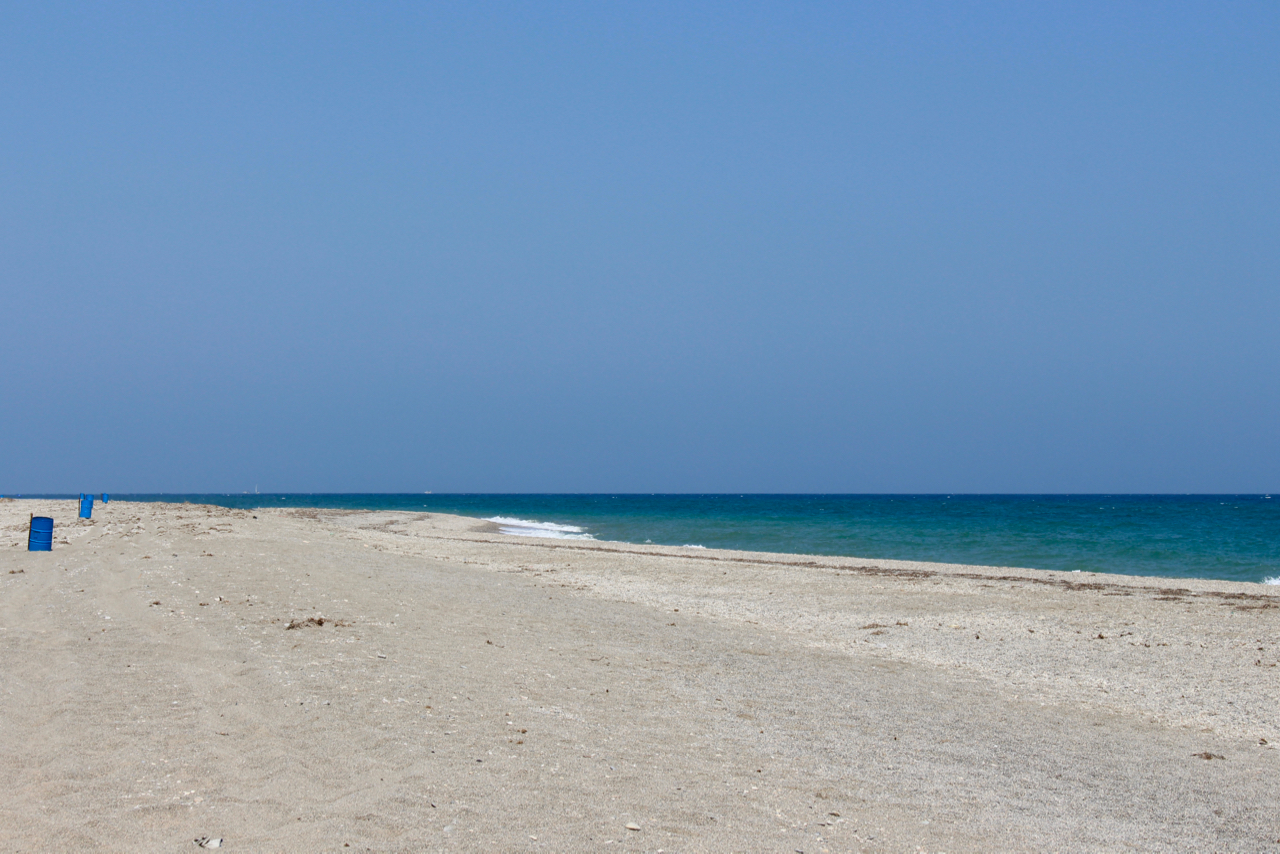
pixel 339 681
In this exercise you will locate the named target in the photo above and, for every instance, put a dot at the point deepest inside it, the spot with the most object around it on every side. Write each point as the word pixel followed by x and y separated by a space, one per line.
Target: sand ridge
pixel 447 687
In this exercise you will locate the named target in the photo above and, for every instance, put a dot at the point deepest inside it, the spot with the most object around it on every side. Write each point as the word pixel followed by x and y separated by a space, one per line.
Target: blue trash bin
pixel 40 538
pixel 86 506
pixel 104 498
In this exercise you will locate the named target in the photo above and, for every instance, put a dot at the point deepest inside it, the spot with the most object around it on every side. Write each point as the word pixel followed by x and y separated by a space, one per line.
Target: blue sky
pixel 640 247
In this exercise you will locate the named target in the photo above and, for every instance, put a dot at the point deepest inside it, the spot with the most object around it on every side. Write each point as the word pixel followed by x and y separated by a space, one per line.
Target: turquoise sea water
pixel 1232 537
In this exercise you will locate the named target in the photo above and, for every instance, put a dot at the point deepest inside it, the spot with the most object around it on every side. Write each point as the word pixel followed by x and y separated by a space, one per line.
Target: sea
pixel 1229 537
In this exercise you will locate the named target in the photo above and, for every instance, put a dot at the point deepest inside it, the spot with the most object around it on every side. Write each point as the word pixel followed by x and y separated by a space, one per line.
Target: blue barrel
pixel 86 506
pixel 40 539
pixel 104 498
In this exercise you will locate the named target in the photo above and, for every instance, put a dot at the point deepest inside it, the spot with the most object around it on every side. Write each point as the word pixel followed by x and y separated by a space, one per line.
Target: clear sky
pixel 596 247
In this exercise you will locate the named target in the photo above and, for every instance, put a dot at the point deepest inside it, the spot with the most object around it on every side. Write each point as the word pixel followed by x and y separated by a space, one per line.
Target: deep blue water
pixel 1233 537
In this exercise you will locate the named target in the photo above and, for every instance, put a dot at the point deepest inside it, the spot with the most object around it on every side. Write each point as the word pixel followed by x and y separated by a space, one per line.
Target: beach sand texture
pixel 335 681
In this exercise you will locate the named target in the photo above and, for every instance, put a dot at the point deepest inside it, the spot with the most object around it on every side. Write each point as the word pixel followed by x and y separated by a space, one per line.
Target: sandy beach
pixel 301 680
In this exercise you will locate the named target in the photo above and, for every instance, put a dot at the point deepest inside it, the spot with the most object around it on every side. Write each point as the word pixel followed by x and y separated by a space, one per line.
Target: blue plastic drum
pixel 86 506
pixel 40 539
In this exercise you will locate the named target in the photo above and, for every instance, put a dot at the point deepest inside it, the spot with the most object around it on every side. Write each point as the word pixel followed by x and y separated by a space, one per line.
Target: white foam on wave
pixel 691 546
pixel 1275 579
pixel 530 528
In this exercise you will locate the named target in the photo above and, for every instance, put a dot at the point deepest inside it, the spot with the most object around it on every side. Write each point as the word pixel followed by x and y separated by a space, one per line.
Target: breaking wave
pixel 530 528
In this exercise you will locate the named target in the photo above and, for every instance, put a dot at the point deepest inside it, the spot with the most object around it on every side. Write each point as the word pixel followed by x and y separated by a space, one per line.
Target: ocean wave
pixel 530 528
pixel 1275 579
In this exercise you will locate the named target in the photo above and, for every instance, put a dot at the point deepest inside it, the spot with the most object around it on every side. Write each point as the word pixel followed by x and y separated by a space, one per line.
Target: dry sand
pixel 473 691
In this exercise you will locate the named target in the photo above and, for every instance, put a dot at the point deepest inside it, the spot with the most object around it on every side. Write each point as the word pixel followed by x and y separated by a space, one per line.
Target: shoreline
pixel 701 692
pixel 1158 536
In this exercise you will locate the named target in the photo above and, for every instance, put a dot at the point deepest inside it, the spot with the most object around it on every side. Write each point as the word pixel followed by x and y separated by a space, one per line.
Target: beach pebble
pixel 632 826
